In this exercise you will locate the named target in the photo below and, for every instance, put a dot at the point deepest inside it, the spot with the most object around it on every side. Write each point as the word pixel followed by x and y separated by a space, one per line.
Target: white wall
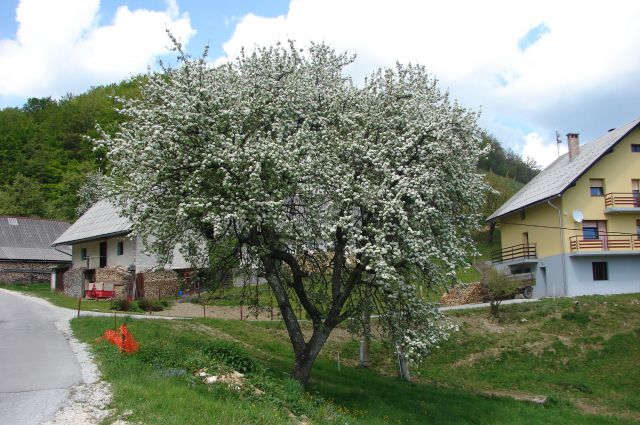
pixel 113 259
pixel 134 253
pixel 624 275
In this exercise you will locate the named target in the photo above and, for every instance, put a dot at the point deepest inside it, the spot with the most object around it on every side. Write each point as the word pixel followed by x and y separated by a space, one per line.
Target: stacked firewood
pixel 119 276
pixel 73 282
pixel 465 294
pixel 113 274
pixel 160 284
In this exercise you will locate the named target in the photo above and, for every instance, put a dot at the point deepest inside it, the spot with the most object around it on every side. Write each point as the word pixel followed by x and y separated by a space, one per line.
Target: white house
pixel 106 256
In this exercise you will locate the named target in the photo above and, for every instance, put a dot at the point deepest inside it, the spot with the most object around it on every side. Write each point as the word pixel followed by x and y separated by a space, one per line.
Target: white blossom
pixel 281 152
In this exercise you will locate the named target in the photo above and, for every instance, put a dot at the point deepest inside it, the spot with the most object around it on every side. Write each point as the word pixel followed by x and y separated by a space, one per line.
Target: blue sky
pixel 531 67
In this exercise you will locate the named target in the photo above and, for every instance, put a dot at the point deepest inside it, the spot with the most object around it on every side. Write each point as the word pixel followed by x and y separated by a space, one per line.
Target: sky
pixel 532 68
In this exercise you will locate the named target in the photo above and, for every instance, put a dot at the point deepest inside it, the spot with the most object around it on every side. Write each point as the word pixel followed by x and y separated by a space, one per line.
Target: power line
pixel 566 228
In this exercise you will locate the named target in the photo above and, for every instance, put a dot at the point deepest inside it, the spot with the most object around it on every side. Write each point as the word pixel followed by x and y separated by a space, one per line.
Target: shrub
pixel 576 316
pixel 500 287
pixel 231 355
pixel 122 305
pixel 149 305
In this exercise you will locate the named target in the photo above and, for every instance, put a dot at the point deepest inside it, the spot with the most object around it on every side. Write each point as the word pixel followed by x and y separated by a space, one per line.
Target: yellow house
pixel 576 226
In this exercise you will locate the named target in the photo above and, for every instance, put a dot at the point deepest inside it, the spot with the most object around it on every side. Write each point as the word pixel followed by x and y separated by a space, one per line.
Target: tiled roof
pixel 558 176
pixel 30 239
pixel 101 220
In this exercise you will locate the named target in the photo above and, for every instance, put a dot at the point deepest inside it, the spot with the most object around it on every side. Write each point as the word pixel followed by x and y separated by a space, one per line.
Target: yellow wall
pixel 617 169
pixel 547 240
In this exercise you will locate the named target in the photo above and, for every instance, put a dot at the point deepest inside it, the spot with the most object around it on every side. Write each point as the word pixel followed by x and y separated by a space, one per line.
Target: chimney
pixel 574 145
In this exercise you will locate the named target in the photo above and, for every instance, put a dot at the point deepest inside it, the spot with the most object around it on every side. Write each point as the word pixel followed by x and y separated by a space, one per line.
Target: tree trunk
pixel 492 228
pixel 305 359
pixel 302 370
pixel 493 307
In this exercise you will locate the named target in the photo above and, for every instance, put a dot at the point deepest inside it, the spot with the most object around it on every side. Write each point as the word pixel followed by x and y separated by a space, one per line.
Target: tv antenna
pixel 558 141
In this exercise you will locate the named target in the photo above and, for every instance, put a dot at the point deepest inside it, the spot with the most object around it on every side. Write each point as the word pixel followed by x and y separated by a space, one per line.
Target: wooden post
pixel 402 365
pixel 79 301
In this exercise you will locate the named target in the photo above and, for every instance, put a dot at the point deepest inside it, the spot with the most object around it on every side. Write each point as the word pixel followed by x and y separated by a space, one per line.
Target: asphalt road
pixel 37 366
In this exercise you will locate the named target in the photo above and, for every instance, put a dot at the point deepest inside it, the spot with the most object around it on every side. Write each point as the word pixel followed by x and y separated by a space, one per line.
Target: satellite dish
pixel 577 216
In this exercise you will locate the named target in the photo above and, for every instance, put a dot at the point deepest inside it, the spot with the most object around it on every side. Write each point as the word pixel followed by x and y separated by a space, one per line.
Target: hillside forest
pixel 46 153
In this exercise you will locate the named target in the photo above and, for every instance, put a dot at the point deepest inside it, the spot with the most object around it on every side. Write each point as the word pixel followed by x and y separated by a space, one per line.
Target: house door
pixel 602 232
pixel 635 189
pixel 60 279
pixel 103 254
pixel 543 282
pixel 140 285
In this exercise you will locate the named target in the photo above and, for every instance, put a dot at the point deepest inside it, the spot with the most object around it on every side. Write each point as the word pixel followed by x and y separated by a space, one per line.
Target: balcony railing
pixel 515 252
pixel 621 200
pixel 92 262
pixel 605 243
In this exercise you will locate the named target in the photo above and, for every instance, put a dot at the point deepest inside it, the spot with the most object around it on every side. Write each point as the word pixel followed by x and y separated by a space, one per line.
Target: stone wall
pixel 16 272
pixel 160 284
pixel 73 282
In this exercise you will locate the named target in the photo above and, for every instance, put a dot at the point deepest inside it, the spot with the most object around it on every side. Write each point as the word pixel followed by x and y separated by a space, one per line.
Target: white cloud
pixel 61 46
pixel 541 151
pixel 569 79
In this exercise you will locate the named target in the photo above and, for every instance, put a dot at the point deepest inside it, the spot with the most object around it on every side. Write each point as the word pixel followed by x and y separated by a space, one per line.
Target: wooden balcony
pixel 617 202
pixel 513 253
pixel 606 243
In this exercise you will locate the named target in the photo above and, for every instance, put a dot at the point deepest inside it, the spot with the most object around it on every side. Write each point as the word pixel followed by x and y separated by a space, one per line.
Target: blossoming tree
pixel 346 197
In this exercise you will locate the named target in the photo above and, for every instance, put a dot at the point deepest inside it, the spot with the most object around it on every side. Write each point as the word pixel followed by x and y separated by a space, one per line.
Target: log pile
pixel 113 274
pixel 119 276
pixel 161 284
pixel 16 272
pixel 73 279
pixel 465 294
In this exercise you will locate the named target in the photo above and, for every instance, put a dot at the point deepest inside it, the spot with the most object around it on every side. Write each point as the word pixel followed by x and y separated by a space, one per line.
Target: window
pixel 590 230
pixel 600 271
pixel 83 253
pixel 596 187
pixel 638 228
pixel 120 248
pixel 635 148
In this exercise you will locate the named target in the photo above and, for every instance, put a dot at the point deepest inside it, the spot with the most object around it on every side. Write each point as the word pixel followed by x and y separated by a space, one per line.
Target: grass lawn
pixel 584 360
pixel 43 290
pixel 586 355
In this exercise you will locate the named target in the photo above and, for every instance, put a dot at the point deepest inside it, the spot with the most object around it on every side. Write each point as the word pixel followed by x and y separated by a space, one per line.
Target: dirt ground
pixel 186 309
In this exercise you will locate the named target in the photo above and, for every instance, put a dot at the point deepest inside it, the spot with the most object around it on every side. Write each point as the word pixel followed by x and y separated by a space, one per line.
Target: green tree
pixel 23 197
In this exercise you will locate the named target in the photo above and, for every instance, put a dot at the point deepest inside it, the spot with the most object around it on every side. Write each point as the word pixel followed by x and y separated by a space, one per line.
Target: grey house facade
pixel 26 254
pixel 106 256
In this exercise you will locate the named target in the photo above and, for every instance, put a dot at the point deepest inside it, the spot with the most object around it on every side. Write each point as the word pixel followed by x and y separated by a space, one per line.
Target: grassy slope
pixel 587 355
pixel 43 290
pixel 586 361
